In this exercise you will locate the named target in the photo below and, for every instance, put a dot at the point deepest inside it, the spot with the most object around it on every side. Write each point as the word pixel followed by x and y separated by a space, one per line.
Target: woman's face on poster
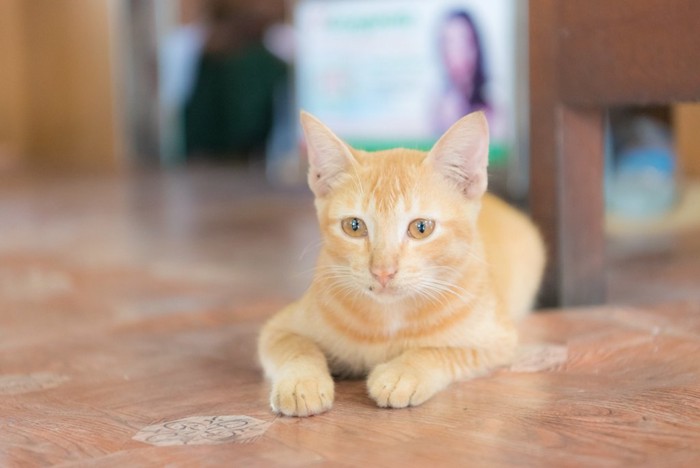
pixel 459 51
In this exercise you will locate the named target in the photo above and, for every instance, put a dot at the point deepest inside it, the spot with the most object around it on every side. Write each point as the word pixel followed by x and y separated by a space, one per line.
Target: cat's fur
pixel 447 309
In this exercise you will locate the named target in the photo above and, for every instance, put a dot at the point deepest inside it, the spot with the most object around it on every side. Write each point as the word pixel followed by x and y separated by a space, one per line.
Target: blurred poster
pixel 385 73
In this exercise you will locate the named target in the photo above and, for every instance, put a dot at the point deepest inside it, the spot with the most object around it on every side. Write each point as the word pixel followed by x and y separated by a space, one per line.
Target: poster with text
pixel 385 73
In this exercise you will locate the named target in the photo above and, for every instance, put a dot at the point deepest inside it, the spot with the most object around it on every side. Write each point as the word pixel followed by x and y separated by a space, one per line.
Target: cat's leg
pixel 301 382
pixel 416 375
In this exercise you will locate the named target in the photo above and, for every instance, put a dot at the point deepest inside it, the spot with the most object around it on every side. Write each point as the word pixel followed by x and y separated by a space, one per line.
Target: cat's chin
pixel 387 295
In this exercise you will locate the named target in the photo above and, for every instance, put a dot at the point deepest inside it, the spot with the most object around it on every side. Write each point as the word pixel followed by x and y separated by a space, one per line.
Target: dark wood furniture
pixel 587 56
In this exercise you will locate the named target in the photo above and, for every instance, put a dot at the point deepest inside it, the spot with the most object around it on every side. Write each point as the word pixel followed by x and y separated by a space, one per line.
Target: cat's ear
pixel 329 157
pixel 462 154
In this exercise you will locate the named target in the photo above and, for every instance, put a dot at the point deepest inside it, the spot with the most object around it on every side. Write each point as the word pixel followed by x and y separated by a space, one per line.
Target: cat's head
pixel 398 224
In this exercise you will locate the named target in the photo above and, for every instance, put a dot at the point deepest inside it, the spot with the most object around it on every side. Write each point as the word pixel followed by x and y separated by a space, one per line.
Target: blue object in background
pixel 641 181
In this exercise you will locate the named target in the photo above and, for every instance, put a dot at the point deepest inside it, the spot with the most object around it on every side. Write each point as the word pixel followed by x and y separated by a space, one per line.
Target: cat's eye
pixel 421 228
pixel 354 227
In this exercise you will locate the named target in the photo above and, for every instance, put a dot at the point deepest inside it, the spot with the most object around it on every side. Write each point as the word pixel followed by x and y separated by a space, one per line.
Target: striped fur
pixel 449 311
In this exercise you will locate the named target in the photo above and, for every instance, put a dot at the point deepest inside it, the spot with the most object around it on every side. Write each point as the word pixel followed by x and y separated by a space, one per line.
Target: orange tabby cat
pixel 419 279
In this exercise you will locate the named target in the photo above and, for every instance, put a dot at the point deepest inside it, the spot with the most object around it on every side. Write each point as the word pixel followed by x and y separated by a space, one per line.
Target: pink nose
pixel 383 275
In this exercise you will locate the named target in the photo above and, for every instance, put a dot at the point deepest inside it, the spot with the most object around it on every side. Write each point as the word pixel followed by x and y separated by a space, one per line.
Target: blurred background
pixel 107 85
pixel 184 98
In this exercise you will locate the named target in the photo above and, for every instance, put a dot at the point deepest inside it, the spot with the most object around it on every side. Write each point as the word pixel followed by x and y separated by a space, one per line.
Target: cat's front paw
pixel 302 395
pixel 398 385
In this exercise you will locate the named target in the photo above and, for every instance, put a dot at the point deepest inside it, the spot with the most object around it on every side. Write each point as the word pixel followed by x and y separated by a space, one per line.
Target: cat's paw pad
pixel 398 386
pixel 302 396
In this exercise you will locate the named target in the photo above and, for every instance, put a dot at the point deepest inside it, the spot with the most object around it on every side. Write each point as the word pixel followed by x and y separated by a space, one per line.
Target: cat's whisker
pixel 424 296
pixel 332 269
pixel 304 272
pixel 344 291
pixel 316 269
pixel 431 294
pixel 455 288
pixel 445 295
pixel 443 271
pixel 350 288
pixel 440 268
pixel 448 293
pixel 438 297
pixel 337 269
pixel 341 284
pixel 446 290
pixel 310 246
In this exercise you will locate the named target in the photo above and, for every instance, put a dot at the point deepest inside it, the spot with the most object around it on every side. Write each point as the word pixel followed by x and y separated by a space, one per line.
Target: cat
pixel 420 279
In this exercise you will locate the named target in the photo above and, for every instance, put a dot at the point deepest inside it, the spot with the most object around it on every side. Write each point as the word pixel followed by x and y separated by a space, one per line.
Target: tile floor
pixel 129 308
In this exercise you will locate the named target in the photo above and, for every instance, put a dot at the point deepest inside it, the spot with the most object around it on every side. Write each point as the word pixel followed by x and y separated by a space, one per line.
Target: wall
pixel 62 112
pixel 12 110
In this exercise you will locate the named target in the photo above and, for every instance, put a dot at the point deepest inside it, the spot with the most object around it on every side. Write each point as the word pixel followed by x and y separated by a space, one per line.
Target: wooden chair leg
pixel 566 196
pixel 566 172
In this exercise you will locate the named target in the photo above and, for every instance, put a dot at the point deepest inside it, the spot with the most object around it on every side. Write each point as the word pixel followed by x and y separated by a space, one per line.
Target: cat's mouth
pixel 385 292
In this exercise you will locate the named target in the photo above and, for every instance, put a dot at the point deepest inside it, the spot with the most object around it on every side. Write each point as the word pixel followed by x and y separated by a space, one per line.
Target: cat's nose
pixel 383 275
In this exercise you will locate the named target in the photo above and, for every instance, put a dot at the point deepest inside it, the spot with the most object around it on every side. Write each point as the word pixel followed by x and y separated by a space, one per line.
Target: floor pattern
pixel 129 309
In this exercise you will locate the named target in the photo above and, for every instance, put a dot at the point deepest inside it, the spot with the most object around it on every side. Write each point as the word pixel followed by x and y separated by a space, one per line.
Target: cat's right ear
pixel 461 155
pixel 329 157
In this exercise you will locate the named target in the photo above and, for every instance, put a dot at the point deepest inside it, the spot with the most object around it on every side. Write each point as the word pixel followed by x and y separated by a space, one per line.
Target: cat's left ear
pixel 462 154
pixel 329 157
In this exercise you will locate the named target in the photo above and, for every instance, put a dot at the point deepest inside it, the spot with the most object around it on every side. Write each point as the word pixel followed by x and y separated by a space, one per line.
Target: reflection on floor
pixel 128 313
